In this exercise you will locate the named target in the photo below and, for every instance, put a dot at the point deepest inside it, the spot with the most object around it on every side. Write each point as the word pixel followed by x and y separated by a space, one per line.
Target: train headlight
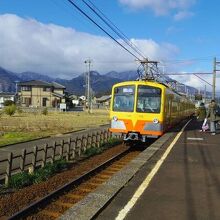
pixel 115 118
pixel 155 121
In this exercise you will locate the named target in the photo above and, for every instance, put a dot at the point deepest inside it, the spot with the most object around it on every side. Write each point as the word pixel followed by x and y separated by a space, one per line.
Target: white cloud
pixel 28 45
pixel 181 15
pixel 160 7
pixel 196 81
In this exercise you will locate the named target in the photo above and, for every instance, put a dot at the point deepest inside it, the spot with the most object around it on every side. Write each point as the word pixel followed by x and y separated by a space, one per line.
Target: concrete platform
pixel 186 186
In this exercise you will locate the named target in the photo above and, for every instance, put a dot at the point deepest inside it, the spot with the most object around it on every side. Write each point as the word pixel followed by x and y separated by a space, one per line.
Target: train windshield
pixel 124 99
pixel 148 99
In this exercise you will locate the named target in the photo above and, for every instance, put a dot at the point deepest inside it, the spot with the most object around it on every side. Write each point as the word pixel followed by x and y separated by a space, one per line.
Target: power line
pixel 195 74
pixel 188 73
pixel 113 27
pixel 79 9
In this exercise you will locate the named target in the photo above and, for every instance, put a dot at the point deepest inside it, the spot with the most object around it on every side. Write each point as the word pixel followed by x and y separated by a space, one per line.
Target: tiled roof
pixel 34 83
pixel 104 98
pixel 57 85
pixel 41 83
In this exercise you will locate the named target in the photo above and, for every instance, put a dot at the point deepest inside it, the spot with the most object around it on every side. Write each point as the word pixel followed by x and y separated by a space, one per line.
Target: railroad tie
pixel 98 179
pixel 103 176
pixel 94 184
pixel 74 196
pixel 109 172
pixel 50 213
pixel 114 169
pixel 64 204
pixel 87 190
pixel 117 166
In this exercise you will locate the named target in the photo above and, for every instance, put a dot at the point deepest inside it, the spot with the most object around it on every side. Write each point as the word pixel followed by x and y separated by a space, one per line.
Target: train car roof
pixel 152 83
pixel 139 82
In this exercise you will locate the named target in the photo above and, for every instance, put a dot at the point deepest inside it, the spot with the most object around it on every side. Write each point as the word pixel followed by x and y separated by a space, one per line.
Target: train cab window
pixel 124 99
pixel 148 99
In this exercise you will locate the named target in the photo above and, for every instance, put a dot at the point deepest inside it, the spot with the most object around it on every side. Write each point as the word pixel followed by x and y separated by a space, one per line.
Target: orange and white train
pixel 146 109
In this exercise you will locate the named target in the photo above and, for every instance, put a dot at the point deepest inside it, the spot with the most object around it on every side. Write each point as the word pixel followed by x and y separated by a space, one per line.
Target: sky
pixel 52 37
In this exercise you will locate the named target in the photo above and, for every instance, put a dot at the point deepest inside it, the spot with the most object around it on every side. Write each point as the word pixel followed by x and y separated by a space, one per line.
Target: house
pixel 4 96
pixel 104 100
pixel 36 93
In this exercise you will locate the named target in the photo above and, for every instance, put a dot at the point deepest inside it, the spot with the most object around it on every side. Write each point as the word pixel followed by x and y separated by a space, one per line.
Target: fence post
pixel 109 135
pixel 8 169
pixel 74 149
pixel 44 160
pixel 97 139
pixel 105 136
pixel 84 142
pixel 92 140
pixel 53 152
pixel 22 161
pixel 34 159
pixel 68 149
pixel 102 137
pixel 61 149
pixel 80 146
pixel 89 145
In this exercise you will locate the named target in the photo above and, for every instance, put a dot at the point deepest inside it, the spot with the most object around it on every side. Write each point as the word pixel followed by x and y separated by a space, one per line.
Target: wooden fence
pixel 69 149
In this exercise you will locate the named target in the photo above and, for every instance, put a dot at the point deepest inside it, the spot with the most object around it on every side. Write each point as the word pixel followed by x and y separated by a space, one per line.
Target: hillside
pixel 7 80
pixel 100 84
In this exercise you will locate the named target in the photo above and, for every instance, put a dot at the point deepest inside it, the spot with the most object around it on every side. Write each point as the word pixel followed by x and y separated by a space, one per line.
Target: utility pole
pixel 214 78
pixel 215 64
pixel 88 62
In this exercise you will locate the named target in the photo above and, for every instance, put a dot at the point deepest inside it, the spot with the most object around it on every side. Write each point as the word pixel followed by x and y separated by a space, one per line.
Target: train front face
pixel 136 110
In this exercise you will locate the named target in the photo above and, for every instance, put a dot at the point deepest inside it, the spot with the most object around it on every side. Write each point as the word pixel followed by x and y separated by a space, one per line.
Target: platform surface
pixel 187 185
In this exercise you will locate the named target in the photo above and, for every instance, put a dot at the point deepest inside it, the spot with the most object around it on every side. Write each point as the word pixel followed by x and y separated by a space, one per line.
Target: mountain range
pixel 101 84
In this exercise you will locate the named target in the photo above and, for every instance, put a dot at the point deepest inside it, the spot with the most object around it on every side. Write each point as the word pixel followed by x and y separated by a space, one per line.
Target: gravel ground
pixel 13 202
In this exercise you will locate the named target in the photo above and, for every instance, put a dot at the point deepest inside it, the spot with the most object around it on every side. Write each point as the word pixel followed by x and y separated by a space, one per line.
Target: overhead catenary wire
pixel 99 26
pixel 121 35
pixel 112 26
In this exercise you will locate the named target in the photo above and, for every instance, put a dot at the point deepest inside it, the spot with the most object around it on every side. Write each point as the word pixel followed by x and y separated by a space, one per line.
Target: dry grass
pixel 54 123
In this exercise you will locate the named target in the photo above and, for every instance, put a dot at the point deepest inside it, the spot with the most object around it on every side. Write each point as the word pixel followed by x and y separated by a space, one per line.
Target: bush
pixel 10 110
pixel 8 102
pixel 43 174
pixel 60 165
pixel 45 111
pixel 93 151
pixel 20 180
pixel 23 179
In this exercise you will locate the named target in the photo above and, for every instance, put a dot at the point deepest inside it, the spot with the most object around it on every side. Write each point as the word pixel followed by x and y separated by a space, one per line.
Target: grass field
pixel 28 126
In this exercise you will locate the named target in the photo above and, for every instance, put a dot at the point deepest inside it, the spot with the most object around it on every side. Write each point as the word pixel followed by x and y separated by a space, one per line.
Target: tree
pixel 10 110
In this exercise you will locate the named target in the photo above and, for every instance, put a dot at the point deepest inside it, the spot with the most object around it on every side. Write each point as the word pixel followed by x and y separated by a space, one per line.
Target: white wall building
pixel 6 96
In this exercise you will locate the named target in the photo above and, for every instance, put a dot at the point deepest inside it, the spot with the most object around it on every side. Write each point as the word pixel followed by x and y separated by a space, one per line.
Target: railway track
pixel 56 203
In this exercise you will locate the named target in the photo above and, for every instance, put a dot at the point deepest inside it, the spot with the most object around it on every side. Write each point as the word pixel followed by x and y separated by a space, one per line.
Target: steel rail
pixel 65 188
